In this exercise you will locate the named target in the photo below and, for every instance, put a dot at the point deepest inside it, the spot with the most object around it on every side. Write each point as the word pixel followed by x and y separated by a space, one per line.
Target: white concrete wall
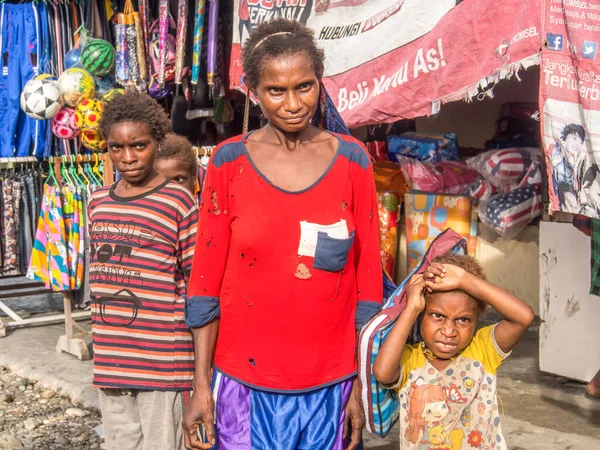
pixel 512 264
pixel 569 333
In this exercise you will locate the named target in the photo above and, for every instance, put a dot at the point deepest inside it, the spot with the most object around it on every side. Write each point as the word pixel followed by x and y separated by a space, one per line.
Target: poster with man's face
pixel 573 174
pixel 570 106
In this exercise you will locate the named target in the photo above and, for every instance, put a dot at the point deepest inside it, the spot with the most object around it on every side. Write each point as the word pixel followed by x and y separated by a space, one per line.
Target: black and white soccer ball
pixel 41 99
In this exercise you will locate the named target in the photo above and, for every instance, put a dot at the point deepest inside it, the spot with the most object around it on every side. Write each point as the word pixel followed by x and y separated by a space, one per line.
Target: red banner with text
pixel 387 60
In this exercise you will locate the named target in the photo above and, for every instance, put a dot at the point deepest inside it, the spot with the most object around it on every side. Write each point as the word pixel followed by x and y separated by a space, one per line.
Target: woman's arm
pixel 202 307
pixel 200 410
pixel 387 363
pixel 367 254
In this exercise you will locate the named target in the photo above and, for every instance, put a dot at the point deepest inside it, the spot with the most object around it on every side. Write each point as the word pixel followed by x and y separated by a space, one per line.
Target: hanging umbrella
pixel 163 17
pixel 213 20
pixel 198 32
pixel 132 44
pixel 182 13
pixel 143 18
pixel 200 101
pixel 121 66
pixel 180 105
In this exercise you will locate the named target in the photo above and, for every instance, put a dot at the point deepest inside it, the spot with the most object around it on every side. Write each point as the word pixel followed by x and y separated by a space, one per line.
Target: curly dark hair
pixel 133 106
pixel 178 147
pixel 469 265
pixel 279 37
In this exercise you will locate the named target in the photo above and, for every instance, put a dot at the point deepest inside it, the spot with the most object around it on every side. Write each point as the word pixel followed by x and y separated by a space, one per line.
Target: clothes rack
pixel 19 160
pixel 205 150
pixel 70 342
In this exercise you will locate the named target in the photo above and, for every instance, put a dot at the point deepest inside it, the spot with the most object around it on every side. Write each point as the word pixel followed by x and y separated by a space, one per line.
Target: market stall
pixel 479 115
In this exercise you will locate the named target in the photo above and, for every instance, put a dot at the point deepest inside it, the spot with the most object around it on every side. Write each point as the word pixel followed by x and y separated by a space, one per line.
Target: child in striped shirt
pixel 142 234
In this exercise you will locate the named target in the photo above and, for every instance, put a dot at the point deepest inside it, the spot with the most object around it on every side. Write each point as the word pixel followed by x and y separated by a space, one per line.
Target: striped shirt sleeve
pixel 186 234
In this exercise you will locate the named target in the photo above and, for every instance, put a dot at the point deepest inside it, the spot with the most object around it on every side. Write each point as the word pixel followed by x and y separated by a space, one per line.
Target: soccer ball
pixel 63 124
pixel 72 58
pixel 75 85
pixel 46 76
pixel 41 99
pixel 88 113
pixel 98 57
pixel 92 140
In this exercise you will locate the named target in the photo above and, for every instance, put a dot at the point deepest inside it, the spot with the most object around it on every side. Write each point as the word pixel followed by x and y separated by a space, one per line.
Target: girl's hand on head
pixel 415 291
pixel 443 277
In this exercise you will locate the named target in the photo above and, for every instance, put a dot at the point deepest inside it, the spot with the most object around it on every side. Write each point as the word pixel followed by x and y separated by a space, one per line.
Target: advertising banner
pixel 387 60
pixel 351 32
pixel 570 104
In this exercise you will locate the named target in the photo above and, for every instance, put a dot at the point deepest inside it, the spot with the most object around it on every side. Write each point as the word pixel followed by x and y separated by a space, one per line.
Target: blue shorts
pixel 250 419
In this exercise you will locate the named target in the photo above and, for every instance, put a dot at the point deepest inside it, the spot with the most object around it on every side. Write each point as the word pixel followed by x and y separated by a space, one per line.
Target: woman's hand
pixel 414 293
pixel 355 415
pixel 200 411
pixel 443 277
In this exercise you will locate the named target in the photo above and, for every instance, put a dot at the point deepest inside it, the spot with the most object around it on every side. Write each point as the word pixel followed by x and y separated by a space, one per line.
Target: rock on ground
pixel 35 418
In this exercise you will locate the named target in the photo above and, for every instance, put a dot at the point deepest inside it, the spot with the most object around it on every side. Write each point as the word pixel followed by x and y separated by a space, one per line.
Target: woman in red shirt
pixel 286 266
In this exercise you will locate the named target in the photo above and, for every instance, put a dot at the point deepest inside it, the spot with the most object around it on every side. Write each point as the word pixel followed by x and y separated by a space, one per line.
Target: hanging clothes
pixel 24 56
pixel 59 249
pixel 49 257
pixel 10 248
pixel 17 201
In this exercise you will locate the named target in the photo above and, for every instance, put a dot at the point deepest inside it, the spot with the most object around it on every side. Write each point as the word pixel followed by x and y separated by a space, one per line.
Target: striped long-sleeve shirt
pixel 140 256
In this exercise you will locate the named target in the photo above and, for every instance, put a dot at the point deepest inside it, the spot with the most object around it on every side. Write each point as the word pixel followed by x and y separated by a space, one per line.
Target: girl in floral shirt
pixel 447 383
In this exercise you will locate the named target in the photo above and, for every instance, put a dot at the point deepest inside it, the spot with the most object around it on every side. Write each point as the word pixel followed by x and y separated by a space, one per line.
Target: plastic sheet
pixel 389 209
pixel 446 177
pixel 509 168
pixel 508 214
pixel 424 146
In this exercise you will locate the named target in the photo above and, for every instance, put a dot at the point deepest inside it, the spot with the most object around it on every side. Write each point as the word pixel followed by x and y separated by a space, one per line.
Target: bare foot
pixel 593 387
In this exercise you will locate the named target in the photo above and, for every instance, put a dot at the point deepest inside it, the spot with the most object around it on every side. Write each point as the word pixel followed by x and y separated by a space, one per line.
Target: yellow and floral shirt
pixel 455 408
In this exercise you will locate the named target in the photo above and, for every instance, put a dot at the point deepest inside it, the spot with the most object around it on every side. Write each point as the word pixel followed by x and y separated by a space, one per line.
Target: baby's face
pixel 176 170
pixel 448 323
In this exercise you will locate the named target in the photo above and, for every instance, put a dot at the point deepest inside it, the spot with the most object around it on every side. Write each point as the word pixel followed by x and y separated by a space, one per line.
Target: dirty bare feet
pixel 593 387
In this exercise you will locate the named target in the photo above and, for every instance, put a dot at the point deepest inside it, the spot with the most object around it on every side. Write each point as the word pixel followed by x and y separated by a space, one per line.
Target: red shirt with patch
pixel 291 274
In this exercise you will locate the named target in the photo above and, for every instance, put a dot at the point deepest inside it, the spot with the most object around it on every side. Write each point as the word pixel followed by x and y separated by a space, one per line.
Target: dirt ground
pixel 541 412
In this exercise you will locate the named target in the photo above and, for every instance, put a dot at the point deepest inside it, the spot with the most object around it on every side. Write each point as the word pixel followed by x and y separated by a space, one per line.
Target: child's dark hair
pixel 135 107
pixel 178 147
pixel 469 265
pixel 279 37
